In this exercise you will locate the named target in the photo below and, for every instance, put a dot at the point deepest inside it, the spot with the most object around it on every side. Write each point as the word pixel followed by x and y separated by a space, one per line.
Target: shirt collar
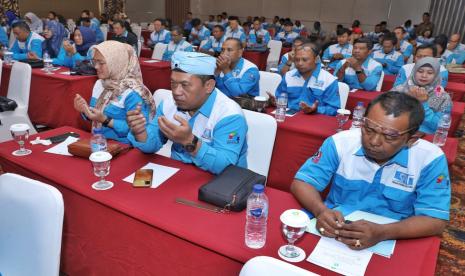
pixel 207 107
pixel 401 158
pixel 343 46
pixel 239 65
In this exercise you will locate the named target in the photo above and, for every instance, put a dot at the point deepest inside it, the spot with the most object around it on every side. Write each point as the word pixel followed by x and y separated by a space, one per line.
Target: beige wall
pixel 68 8
pixel 145 10
pixel 328 12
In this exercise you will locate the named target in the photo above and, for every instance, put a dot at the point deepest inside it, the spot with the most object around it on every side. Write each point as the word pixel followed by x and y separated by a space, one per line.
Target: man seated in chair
pixel 339 51
pixel 160 34
pixel 258 38
pixel 287 60
pixel 207 128
pixel 236 76
pixel 28 44
pixel 214 42
pixel 309 87
pixel 177 44
pixel 198 33
pixel 360 71
pixel 390 59
pixel 381 168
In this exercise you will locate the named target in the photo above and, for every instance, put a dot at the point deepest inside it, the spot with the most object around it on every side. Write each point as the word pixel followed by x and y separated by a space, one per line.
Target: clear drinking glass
pixel 20 133
pixel 326 63
pixel 342 117
pixel 260 103
pixel 294 224
pixel 101 164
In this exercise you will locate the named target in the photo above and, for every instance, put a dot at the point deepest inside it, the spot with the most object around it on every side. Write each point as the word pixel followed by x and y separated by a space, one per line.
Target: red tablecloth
pixel 52 95
pixel 457 88
pixel 457 77
pixel 128 231
pixel 156 75
pixel 300 136
pixel 458 108
pixel 257 58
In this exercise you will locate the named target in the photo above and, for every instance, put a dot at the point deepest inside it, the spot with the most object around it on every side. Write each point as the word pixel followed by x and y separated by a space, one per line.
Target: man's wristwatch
pixel 358 72
pixel 106 122
pixel 192 145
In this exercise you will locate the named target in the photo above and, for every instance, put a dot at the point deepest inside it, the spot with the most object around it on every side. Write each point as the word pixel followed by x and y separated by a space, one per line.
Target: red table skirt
pixel 257 58
pixel 156 75
pixel 128 231
pixel 146 52
pixel 457 77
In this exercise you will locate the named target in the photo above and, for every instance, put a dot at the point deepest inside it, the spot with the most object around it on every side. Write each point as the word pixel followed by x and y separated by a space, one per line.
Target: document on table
pixel 62 148
pixel 384 248
pixel 336 256
pixel 160 174
pixel 151 61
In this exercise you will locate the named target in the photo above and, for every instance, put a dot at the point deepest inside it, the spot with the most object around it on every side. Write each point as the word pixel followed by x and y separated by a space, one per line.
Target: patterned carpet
pixel 451 259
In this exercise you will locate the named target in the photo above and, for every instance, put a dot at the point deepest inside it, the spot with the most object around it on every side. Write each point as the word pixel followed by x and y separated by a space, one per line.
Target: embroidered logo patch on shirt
pixel 207 134
pixel 233 138
pixel 403 179
pixel 316 157
pixel 441 182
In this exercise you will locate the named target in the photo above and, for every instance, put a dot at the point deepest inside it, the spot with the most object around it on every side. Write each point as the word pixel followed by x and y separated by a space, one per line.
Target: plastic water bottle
pixel 281 106
pixel 440 136
pixel 47 62
pixel 8 57
pixel 256 218
pixel 98 141
pixel 357 115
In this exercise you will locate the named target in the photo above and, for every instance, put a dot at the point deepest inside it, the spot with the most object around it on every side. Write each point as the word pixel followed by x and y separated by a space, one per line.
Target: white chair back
pixel 104 30
pixel 159 50
pixel 269 82
pixel 144 25
pixel 380 82
pixel 18 90
pixel 139 47
pixel 344 90
pixel 265 266
pixel 159 96
pixel 137 30
pixel 31 213
pixel 274 55
pixel 260 140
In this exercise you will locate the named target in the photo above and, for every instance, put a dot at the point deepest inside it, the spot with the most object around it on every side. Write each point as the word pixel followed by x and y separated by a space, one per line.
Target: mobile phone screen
pixel 291 111
pixel 143 178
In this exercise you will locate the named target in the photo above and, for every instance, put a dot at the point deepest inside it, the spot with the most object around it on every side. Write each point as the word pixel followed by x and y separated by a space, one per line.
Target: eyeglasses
pixel 95 62
pixel 390 135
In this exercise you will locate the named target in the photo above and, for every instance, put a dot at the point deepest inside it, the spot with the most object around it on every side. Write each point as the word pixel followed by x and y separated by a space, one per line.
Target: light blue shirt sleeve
pixel 167 38
pixel 267 38
pixel 372 79
pixel 189 49
pixel 338 67
pixel 394 66
pixel 408 52
pixel 36 47
pixel 444 78
pixel 330 101
pixel 63 59
pixel 3 37
pixel 433 191
pixel 19 54
pixel 243 37
pixel 282 64
pixel 208 45
pixel 223 152
pixel 327 55
pixel 401 78
pixel 120 126
pixel 167 55
pixel 239 86
pixel 319 169
pixel 430 123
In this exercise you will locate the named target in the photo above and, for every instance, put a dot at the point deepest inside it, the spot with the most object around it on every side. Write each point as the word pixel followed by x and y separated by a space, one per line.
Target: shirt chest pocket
pixel 398 200
pixel 347 193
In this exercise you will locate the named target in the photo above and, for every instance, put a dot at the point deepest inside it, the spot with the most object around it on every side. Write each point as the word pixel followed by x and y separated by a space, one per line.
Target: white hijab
pixel 36 24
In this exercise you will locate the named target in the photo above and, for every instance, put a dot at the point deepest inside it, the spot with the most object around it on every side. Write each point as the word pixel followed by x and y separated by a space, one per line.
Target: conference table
pixel 143 231
pixel 455 88
pixel 256 57
pixel 458 108
pixel 156 74
pixel 299 137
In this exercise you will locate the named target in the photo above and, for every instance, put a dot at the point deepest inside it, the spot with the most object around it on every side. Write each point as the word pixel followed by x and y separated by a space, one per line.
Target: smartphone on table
pixel 143 178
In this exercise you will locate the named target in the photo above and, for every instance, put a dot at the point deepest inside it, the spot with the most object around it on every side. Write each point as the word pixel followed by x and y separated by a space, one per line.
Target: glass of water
pixel 326 63
pixel 101 164
pixel 8 57
pixel 342 117
pixel 294 224
pixel 20 133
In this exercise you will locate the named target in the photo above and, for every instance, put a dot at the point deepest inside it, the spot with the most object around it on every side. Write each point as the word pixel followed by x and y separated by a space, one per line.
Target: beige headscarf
pixel 125 73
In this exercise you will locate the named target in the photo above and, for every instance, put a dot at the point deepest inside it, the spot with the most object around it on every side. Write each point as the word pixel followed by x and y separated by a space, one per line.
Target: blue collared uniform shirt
pixel 243 79
pixel 415 182
pixel 406 48
pixel 372 70
pixel 213 44
pixel 219 124
pixel 63 59
pixel 33 43
pixel 163 36
pixel 3 37
pixel 406 70
pixel 203 34
pixel 345 50
pixel 239 34
pixel 321 86
pixel 172 47
pixel 394 60
pixel 286 37
pixel 283 62
pixel 252 38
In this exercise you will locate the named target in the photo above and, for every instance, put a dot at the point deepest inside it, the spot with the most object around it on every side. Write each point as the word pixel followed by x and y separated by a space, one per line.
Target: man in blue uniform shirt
pixel 308 87
pixel 207 128
pixel 198 33
pixel 258 37
pixel 235 31
pixel 236 76
pixel 339 51
pixel 403 46
pixel 177 44
pixel 214 43
pixel 360 71
pixel 27 44
pixel 160 34
pixel 381 168
pixel 287 36
pixel 390 59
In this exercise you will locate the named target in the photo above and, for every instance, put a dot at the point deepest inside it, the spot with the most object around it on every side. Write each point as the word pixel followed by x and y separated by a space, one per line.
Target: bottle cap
pixel 360 104
pixel 258 188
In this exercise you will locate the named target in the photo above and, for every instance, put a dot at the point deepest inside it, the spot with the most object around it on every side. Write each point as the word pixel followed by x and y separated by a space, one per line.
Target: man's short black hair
pixel 120 22
pixel 400 28
pixel 342 31
pixel 313 46
pixel 390 37
pixel 302 39
pixel 85 20
pixel 233 17
pixel 288 23
pixel 442 40
pixel 22 25
pixel 427 14
pixel 219 27
pixel 427 46
pixel 366 41
pixel 237 40
pixel 383 23
pixel 398 103
pixel 196 22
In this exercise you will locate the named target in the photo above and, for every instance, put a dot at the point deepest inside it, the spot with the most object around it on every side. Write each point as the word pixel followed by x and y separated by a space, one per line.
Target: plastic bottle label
pixel 257 212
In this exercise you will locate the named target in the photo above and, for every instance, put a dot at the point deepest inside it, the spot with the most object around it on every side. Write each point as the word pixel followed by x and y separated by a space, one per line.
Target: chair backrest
pixel 20 83
pixel 139 47
pixel 275 52
pixel 104 30
pixel 137 30
pixel 12 39
pixel 159 50
pixel 344 90
pixel 269 82
pixel 260 140
pixel 144 25
pixel 380 82
pixel 265 266
pixel 31 215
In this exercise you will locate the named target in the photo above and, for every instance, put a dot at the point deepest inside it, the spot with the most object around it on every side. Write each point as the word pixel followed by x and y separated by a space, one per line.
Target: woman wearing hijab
pixel 54 34
pixel 424 84
pixel 35 24
pixel 84 39
pixel 118 90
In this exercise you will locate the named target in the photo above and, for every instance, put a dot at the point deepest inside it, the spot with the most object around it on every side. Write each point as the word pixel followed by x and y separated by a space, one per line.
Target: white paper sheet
pixel 353 90
pixel 62 148
pixel 337 257
pixel 151 61
pixel 160 174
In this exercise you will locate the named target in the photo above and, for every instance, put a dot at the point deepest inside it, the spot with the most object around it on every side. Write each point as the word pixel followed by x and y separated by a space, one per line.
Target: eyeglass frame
pixel 387 137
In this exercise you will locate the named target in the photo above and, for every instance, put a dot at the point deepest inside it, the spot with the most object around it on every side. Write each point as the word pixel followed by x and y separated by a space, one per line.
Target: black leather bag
pixel 35 63
pixel 84 68
pixel 230 189
pixel 7 104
